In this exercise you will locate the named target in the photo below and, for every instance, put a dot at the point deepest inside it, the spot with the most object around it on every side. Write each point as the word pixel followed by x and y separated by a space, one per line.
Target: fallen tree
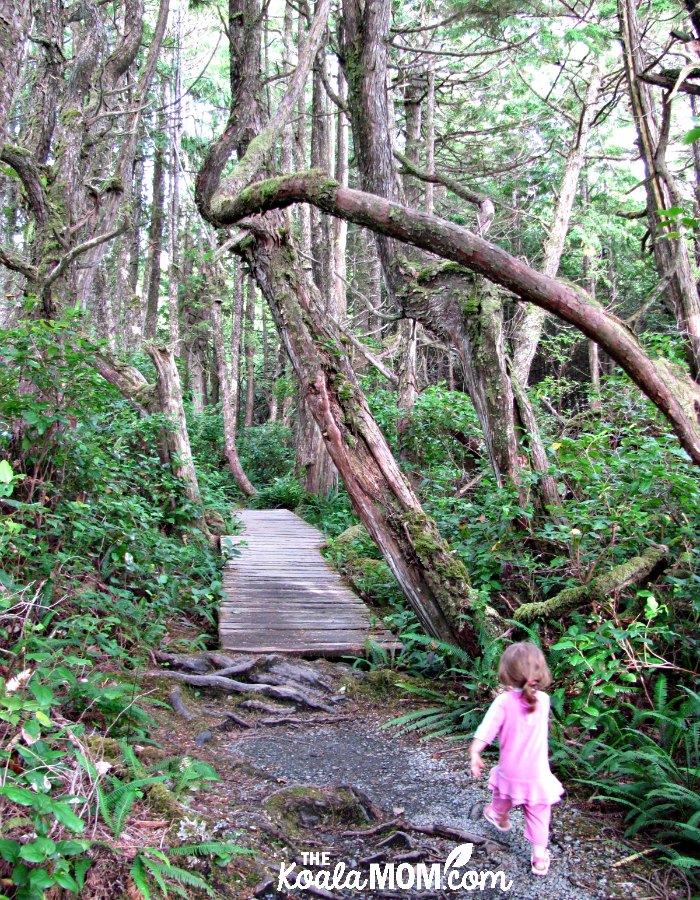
pixel 637 570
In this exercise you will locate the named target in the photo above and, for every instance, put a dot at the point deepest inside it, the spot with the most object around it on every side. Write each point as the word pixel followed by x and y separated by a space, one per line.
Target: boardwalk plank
pixel 282 597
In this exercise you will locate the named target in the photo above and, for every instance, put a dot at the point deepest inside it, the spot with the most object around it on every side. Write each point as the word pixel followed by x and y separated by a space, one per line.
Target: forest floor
pixel 310 781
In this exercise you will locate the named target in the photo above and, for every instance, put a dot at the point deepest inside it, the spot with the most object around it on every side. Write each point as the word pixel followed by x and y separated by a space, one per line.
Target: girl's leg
pixel 500 807
pixel 537 818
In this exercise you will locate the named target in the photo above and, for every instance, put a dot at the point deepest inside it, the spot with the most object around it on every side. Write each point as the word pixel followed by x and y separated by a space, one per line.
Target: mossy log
pixel 640 568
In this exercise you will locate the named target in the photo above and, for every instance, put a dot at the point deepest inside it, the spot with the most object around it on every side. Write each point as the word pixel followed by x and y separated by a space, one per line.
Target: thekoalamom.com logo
pixel 452 875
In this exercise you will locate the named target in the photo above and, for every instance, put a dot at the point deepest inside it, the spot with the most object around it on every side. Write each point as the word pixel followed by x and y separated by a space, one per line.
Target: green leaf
pixel 65 815
pixel 38 851
pixel 67 882
pixel 42 693
pixel 6 473
pixel 9 850
pixel 691 136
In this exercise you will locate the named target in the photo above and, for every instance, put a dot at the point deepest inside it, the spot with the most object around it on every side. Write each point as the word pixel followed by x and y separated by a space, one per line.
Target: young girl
pixel 520 718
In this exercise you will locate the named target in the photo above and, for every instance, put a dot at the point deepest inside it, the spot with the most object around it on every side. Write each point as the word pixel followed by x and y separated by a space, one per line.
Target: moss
pixel 164 803
pixel 631 572
pixel 215 521
pixel 69 116
pixel 296 809
pixel 345 390
pixel 105 748
pixel 434 270
pixel 470 304
pixel 448 576
pixel 114 184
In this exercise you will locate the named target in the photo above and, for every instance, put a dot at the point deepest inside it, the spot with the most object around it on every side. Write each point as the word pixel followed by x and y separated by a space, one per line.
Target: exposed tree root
pixel 259 706
pixel 222 683
pixel 201 663
pixel 178 705
pixel 638 569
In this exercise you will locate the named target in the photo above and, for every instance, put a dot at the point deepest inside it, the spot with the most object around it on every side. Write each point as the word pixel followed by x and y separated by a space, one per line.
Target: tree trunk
pixel 670 253
pixel 170 405
pixel 527 327
pixel 340 228
pixel 14 25
pixel 441 299
pixel 250 355
pixel 408 383
pixel 228 401
pixel 435 584
pixel 174 211
pixel 155 237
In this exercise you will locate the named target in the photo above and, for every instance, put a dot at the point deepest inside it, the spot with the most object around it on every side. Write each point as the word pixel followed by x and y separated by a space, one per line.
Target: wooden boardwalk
pixel 282 597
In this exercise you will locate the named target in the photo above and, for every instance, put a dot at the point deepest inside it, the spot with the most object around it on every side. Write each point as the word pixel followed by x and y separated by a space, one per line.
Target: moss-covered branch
pixel 640 568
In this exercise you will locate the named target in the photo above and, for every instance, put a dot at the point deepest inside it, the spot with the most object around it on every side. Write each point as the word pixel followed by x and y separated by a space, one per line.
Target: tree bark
pixel 174 211
pixel 527 327
pixel 228 401
pixel 671 254
pixel 14 25
pixel 407 389
pixel 155 236
pixel 177 437
pixel 250 355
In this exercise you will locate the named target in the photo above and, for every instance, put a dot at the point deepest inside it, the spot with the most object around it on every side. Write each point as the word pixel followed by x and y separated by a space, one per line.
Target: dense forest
pixel 425 273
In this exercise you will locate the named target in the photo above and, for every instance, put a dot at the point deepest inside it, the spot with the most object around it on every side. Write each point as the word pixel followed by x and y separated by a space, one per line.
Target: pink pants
pixel 537 816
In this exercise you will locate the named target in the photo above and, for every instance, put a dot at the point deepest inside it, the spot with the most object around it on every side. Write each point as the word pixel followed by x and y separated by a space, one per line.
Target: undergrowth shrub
pixel 98 557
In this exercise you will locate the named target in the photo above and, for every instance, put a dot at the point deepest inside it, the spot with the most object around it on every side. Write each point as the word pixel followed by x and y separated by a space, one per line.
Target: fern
pixel 209 848
pixel 140 878
pixel 162 870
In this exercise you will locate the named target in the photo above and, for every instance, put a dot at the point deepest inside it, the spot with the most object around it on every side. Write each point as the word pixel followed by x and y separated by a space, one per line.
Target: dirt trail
pixel 398 775
pixel 408 779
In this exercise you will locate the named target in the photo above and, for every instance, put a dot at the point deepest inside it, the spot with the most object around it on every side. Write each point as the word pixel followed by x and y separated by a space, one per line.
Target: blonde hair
pixel 523 666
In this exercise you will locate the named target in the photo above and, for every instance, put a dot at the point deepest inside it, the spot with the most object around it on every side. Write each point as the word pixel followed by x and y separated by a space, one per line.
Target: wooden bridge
pixel 281 596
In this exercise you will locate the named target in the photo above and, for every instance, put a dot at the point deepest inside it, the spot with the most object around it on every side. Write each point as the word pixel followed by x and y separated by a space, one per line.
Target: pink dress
pixel 522 774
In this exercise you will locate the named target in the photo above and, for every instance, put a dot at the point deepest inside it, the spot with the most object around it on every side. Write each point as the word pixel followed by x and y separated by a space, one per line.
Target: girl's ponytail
pixel 524 668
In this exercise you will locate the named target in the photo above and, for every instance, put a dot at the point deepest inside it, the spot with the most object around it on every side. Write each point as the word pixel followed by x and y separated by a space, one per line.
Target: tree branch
pixel 686 87
pixel 667 386
pixel 18 264
pixel 370 357
pixel 638 569
pixel 481 201
pixel 66 260
pixel 25 166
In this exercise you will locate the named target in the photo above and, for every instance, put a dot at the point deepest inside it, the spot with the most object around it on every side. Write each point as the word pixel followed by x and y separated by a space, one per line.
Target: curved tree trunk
pixel 436 585
pixel 434 582
pixel 666 384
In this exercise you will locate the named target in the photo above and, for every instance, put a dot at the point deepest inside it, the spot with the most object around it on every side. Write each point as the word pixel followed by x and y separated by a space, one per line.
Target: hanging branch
pixel 666 385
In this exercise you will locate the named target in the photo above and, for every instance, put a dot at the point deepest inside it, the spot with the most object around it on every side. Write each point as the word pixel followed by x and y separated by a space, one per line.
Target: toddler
pixel 520 718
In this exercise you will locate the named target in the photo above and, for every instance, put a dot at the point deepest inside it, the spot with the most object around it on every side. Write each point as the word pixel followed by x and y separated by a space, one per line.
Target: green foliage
pixel 97 555
pixel 284 492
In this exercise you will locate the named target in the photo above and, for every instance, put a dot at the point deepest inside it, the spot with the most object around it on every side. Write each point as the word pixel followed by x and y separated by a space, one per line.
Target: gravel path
pixel 397 772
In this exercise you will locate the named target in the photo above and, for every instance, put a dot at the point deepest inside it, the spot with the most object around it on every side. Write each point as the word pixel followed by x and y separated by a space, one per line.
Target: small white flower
pixel 103 767
pixel 17 681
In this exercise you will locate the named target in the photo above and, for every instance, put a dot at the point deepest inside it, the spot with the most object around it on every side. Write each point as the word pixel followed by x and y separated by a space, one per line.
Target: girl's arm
pixel 477 763
pixel 485 733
